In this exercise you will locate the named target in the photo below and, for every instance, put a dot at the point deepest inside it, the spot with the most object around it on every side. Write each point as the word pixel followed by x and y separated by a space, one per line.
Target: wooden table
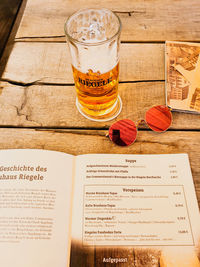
pixel 37 95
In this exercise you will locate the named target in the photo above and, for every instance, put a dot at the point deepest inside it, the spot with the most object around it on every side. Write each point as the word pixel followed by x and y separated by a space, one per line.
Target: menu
pixel 97 210
pixel 140 203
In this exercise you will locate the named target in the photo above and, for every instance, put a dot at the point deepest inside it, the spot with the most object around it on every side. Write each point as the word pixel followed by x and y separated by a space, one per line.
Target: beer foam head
pixel 92 25
pixel 97 58
pixel 93 36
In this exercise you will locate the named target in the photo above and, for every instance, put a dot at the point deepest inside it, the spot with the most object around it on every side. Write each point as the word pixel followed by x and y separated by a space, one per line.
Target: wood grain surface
pixel 154 20
pixel 50 62
pixel 54 106
pixel 38 85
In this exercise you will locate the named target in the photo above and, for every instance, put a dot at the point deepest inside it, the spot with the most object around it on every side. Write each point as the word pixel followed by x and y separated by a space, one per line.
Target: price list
pixel 135 215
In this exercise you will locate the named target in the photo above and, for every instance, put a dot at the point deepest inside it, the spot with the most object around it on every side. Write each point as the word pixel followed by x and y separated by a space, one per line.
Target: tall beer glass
pixel 93 37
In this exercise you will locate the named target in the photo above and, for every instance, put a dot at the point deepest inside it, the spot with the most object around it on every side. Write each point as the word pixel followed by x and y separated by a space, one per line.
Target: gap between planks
pixel 61 39
pixel 82 130
pixel 67 84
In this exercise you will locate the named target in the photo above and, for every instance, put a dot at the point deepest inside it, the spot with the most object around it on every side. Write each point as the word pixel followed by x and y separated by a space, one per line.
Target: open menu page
pixel 35 205
pixel 134 209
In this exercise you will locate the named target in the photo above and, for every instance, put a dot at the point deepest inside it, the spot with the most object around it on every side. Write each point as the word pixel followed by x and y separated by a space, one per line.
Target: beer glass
pixel 93 37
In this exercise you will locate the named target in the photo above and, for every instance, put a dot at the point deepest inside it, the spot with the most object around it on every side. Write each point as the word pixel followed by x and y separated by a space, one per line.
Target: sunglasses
pixel 124 132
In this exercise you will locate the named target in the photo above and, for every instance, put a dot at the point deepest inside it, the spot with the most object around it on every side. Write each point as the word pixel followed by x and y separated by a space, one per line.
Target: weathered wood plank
pixel 154 20
pixel 91 141
pixel 50 62
pixel 8 11
pixel 54 106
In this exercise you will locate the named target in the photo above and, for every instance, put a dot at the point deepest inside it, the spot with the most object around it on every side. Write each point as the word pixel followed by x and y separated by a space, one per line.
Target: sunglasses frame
pixel 134 126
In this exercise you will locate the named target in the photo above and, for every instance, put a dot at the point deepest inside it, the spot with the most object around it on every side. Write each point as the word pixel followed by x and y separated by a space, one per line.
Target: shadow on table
pixel 11 12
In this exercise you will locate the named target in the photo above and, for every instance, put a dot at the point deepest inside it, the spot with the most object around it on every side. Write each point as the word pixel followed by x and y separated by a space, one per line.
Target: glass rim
pixel 70 38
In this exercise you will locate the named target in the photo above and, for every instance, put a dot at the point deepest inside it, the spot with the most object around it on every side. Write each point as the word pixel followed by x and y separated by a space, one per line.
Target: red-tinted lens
pixel 159 118
pixel 123 132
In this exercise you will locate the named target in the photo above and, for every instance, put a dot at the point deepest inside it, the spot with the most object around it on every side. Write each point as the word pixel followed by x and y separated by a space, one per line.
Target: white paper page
pixel 135 201
pixel 35 199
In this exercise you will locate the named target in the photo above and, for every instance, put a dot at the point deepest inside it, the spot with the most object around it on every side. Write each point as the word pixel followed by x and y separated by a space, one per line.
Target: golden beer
pixel 97 93
pixel 93 36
